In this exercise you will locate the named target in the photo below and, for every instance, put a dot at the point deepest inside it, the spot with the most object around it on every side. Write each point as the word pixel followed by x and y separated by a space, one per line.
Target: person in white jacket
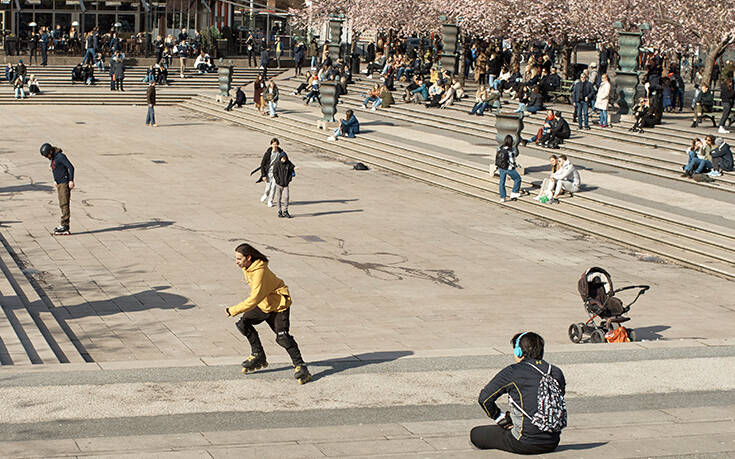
pixel 566 177
pixel 603 99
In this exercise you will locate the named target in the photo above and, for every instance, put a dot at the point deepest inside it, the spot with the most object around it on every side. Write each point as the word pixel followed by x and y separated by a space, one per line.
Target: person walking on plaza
pixel 63 172
pixel 269 301
pixel 270 94
pixel 298 57
pixel 150 98
pixel 283 173
pixel 535 391
pixel 581 96
pixel 267 165
pixel 505 160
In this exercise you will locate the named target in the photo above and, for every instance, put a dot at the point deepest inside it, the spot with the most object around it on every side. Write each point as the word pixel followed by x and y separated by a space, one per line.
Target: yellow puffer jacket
pixel 267 291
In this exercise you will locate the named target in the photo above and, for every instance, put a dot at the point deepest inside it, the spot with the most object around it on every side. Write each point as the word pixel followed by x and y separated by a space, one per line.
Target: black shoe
pixel 524 142
pixel 256 361
pixel 280 214
pixel 286 214
pixel 301 373
pixel 694 124
pixel 61 230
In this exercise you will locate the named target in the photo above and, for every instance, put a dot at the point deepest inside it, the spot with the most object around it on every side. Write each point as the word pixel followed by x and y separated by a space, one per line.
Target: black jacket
pixel 561 129
pixel 265 163
pixel 283 172
pixel 536 100
pixel 240 97
pixel 724 152
pixel 521 383
pixel 62 168
pixel 582 91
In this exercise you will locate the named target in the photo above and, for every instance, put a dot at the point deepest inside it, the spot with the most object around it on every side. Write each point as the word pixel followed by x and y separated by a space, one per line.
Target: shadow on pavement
pixel 579 446
pixel 131 226
pixel 26 187
pixel 338 366
pixel 650 333
pixel 325 201
pixel 153 298
pixel 332 212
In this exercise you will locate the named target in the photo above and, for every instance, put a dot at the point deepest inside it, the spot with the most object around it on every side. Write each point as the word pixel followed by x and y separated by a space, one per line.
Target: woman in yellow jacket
pixel 269 301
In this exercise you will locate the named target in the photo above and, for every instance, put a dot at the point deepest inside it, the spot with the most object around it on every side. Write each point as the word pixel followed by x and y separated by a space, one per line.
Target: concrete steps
pixel 29 331
pixel 629 156
pixel 685 244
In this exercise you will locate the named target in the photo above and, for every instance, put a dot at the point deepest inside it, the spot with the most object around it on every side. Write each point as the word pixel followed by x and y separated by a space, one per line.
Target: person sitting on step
pixel 348 127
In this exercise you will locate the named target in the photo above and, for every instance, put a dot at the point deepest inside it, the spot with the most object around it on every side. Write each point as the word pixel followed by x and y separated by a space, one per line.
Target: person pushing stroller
pixel 269 301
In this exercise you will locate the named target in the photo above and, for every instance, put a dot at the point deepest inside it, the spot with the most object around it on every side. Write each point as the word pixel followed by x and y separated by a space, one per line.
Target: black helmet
pixel 46 149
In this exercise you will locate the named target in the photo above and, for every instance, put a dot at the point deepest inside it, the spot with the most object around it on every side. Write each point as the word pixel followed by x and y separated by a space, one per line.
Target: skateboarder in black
pixel 269 301
pixel 63 172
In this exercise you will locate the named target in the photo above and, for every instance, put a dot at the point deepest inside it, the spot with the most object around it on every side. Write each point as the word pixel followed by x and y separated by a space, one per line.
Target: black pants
pixel 251 58
pixel 726 108
pixel 496 437
pixel 298 65
pixel 119 84
pixel 279 323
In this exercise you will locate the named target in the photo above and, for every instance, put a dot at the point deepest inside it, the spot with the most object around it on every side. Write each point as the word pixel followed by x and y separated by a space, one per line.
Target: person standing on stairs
pixel 63 172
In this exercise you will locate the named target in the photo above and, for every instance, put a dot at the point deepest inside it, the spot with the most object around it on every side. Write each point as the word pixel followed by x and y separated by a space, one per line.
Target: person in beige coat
pixel 603 100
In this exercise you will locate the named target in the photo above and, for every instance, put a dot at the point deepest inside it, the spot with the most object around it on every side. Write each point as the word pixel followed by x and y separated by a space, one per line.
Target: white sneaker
pixel 364 107
pixel 722 130
pixel 332 138
pixel 370 76
pixel 373 109
pixel 270 204
pixel 182 75
pixel 515 195
pixel 263 198
pixel 502 200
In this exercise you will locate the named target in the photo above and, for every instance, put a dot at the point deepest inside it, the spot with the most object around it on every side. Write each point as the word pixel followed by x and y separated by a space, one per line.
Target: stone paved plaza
pixel 405 298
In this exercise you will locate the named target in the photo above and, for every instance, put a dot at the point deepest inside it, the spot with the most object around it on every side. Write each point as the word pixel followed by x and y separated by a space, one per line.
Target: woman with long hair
pixel 269 301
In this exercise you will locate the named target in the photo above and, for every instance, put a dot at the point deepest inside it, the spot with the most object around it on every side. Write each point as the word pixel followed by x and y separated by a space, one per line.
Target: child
pixel 283 172
pixel 269 301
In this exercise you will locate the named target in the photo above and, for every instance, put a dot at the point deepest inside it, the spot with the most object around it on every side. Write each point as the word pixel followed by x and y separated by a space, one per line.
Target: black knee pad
pixel 246 328
pixel 284 339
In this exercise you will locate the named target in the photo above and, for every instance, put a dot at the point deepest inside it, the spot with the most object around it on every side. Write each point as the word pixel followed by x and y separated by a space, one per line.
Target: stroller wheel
pixel 575 333
pixel 597 336
pixel 631 334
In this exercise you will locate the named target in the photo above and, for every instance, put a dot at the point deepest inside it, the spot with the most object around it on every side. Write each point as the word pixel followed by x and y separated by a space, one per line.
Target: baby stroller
pixel 596 288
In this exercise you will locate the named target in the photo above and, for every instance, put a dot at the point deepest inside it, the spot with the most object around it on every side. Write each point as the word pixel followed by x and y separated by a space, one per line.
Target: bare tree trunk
pixel 516 49
pixel 714 51
pixel 566 60
pixel 462 62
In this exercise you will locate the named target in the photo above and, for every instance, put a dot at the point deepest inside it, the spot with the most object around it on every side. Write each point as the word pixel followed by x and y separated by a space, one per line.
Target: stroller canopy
pixel 595 283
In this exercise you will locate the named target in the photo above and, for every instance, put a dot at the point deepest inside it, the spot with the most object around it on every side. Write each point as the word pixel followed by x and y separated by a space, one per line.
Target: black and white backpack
pixel 551 410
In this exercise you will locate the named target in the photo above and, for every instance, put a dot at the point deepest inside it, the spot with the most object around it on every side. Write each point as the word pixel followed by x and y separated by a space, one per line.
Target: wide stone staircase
pixel 57 87
pixel 30 330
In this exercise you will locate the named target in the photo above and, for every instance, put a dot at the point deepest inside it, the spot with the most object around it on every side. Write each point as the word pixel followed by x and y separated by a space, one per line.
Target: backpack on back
pixel 551 411
pixel 501 158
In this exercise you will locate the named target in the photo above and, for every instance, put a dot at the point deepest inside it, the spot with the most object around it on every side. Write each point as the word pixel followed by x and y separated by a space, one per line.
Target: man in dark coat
pixel 264 61
pixel 559 132
pixel 581 97
pixel 283 172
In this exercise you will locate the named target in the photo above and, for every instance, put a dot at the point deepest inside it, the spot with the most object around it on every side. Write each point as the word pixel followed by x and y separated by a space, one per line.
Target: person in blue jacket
pixel 63 171
pixel 348 127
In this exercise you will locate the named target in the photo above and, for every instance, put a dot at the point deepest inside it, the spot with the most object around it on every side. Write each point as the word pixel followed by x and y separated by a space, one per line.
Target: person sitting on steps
pixel 526 428
pixel 704 102
pixel 348 127
pixel 721 158
pixel 566 178
pixel 240 100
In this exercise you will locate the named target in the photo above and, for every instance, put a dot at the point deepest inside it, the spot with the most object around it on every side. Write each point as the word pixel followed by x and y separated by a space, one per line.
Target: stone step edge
pixel 376 356
pixel 60 338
